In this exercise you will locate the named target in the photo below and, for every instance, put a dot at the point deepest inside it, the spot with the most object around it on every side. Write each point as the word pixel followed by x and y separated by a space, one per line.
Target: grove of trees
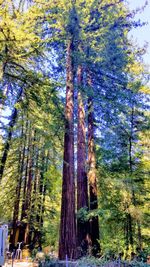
pixel 74 124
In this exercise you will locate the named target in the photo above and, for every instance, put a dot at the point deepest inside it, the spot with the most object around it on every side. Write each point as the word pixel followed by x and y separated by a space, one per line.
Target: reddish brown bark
pixel 67 241
pixel 82 188
pixel 93 223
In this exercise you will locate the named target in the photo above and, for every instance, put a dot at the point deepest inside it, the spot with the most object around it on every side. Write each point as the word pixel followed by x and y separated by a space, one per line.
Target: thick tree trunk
pixel 94 224
pixel 82 188
pixel 10 131
pixel 67 241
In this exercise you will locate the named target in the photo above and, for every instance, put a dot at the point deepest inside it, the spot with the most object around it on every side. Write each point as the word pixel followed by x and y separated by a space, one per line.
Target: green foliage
pixel 83 214
pixel 93 262
pixel 33 42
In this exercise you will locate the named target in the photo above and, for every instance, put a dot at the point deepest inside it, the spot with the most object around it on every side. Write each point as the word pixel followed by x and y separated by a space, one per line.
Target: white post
pixel 66 261
pixel 19 251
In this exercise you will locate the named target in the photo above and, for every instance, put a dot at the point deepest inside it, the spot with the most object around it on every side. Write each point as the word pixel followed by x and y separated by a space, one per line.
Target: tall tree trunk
pixel 28 136
pixel 18 188
pixel 94 224
pixel 10 131
pixel 27 206
pixel 42 191
pixel 82 188
pixel 67 241
pixel 28 203
pixel 41 208
pixel 34 208
pixel 139 235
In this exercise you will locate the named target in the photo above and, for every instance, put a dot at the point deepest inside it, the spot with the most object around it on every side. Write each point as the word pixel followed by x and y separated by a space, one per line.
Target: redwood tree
pixel 19 183
pixel 93 223
pixel 67 240
pixel 82 192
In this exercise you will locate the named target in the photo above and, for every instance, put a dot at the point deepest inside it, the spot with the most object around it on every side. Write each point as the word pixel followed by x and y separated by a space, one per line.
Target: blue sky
pixel 142 34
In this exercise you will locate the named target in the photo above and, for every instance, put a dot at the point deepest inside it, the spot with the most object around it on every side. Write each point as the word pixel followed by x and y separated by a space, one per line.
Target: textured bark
pixel 82 188
pixel 10 131
pixel 67 241
pixel 94 224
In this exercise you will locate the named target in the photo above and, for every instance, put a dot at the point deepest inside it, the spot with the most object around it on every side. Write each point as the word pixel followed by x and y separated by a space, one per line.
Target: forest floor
pixel 21 264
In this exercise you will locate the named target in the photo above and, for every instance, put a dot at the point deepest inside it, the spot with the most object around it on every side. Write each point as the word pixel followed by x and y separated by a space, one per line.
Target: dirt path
pixel 21 264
